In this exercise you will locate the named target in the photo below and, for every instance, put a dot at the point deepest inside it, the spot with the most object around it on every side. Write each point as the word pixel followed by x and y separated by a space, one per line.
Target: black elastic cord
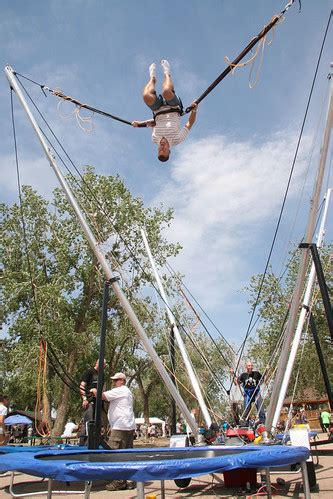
pixel 78 103
pixel 234 63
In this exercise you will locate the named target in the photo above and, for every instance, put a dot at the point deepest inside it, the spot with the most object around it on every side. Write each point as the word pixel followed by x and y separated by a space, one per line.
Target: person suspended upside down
pixel 167 109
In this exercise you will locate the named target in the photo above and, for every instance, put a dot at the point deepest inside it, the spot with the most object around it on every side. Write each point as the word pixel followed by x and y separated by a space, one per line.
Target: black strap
pixel 170 110
pixel 234 63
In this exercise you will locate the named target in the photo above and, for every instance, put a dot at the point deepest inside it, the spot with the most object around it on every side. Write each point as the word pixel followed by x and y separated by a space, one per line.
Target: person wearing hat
pixel 122 421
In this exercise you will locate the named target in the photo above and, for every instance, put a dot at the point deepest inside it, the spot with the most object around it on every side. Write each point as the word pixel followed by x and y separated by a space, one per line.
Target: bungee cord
pixel 79 118
pixel 232 65
pixel 79 105
pixel 42 427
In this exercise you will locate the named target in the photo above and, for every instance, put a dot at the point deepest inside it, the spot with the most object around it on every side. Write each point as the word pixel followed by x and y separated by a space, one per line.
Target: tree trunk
pixel 145 407
pixel 145 398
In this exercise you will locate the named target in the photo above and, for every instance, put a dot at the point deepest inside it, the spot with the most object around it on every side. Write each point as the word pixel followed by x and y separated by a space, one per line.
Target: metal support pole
pixel 321 361
pixel 308 238
pixel 49 488
pixel 322 286
pixel 301 320
pixel 95 439
pixel 162 489
pixel 87 488
pixel 173 370
pixel 268 483
pixel 306 486
pixel 101 257
pixel 187 361
pixel 140 490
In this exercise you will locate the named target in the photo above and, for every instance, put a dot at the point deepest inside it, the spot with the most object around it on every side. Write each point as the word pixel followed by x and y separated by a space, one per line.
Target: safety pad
pixel 148 464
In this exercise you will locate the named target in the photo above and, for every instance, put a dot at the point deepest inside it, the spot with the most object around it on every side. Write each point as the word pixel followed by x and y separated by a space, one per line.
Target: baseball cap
pixel 118 376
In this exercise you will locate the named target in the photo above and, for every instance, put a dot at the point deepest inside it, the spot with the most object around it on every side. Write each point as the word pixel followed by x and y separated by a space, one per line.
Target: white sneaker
pixel 152 70
pixel 165 66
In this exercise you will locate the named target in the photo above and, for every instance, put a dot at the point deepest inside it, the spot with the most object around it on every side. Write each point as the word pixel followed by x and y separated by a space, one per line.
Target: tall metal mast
pixel 296 300
pixel 182 348
pixel 101 258
pixel 301 320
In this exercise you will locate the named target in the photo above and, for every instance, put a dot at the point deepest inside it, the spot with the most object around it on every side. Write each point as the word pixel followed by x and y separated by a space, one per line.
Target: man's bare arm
pixel 193 116
pixel 138 124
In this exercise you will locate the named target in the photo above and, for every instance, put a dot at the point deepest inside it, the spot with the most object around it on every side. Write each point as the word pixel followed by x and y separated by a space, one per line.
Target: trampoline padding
pixel 148 464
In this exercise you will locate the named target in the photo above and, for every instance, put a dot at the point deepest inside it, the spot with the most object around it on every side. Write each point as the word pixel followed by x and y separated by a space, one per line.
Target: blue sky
pixel 226 182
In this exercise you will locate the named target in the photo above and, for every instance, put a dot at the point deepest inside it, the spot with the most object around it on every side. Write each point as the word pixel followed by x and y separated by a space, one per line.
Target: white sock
pixel 165 66
pixel 152 70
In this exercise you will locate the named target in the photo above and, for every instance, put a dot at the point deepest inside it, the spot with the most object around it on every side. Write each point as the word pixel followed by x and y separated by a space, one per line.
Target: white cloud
pixel 30 167
pixel 223 192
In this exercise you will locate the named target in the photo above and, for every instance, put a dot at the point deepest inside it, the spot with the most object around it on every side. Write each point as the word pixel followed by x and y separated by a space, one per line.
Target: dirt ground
pixel 207 486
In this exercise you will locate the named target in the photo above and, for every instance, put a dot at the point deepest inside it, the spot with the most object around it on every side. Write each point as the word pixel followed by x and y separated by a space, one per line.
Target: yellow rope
pixel 41 389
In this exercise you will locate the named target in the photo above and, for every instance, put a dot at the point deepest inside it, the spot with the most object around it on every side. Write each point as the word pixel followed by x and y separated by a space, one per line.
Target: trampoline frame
pixel 141 484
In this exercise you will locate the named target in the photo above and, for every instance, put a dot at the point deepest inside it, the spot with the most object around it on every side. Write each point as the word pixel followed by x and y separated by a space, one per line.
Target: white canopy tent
pixel 152 420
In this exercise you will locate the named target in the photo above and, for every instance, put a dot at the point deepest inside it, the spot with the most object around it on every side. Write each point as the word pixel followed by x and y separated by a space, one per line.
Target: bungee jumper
pixel 167 110
pixel 168 95
pixel 250 381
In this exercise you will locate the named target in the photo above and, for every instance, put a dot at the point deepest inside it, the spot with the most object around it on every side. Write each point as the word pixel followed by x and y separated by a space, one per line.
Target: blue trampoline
pixel 9 449
pixel 147 464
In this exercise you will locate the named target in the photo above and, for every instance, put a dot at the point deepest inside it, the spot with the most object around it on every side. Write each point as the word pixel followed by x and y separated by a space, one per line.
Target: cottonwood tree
pixel 52 285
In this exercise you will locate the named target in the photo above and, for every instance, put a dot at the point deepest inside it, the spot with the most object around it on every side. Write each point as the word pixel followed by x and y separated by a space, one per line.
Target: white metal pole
pixel 101 258
pixel 301 320
pixel 182 348
pixel 296 300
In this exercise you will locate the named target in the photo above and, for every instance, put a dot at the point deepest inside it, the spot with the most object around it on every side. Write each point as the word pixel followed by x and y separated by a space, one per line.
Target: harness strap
pixel 171 110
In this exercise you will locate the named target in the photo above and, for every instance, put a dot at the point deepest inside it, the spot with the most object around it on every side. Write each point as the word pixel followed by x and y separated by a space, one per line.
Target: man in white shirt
pixel 167 109
pixel 122 421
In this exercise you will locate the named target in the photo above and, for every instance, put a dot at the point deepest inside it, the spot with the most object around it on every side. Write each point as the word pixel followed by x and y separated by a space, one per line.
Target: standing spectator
pixel 4 403
pixel 121 420
pixel 325 419
pixel 30 434
pixel 144 432
pixel 152 433
pixel 179 427
pixel 88 382
pixel 166 430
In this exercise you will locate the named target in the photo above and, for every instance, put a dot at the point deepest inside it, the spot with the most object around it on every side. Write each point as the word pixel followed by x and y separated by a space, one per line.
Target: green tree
pixel 52 284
